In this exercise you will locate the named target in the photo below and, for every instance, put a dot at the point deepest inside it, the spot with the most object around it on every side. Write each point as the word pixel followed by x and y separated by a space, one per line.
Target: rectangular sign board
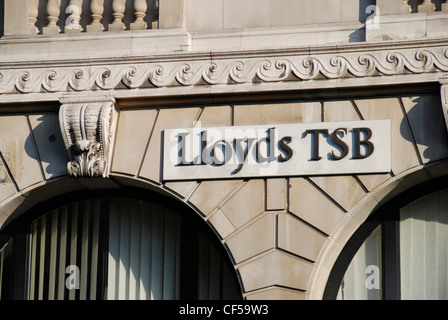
pixel 300 149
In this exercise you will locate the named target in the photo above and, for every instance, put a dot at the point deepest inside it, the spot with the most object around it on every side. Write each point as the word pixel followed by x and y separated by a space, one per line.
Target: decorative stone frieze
pixel 87 124
pixel 381 63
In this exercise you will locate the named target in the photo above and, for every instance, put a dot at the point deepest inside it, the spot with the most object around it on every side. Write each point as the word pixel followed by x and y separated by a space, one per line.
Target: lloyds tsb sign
pixel 276 150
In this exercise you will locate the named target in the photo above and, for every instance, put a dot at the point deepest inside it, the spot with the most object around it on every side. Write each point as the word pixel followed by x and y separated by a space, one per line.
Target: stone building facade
pixel 91 93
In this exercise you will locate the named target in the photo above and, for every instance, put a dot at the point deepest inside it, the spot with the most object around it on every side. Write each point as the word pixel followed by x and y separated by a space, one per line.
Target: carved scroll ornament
pixel 227 70
pixel 87 126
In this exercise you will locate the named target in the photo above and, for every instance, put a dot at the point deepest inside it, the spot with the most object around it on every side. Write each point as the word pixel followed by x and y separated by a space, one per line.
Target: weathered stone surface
pixel 166 118
pixel 277 113
pixel 247 242
pixel 314 207
pixel 133 132
pixel 299 238
pixel 344 190
pixel 211 194
pixel 403 155
pixel 246 203
pixel 276 268
pixel 18 149
pixel 277 293
pixel 49 143
pixel 276 194
pixel 221 223
pixel 428 127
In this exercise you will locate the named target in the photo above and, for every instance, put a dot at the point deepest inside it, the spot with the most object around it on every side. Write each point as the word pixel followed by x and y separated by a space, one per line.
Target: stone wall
pixel 220 15
pixel 282 233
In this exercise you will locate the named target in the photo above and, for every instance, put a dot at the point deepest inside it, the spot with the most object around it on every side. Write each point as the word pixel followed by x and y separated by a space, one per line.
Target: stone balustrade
pixel 50 17
pixel 411 6
pixel 408 19
pixel 37 18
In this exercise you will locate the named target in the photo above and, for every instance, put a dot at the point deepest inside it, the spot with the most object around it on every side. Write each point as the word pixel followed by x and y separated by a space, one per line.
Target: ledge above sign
pixel 300 149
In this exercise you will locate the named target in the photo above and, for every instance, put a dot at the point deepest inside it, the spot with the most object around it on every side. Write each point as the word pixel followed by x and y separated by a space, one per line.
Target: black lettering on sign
pixel 285 149
pixel 315 142
pixel 364 141
pixel 342 146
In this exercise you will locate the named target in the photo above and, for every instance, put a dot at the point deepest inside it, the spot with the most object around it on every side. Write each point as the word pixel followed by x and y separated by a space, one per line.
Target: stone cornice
pixel 308 67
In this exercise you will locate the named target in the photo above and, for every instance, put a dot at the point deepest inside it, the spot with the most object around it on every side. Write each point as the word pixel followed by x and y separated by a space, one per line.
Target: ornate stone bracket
pixel 88 124
pixel 444 97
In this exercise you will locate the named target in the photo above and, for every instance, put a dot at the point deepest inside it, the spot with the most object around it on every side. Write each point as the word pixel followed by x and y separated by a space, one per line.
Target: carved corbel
pixel 88 124
pixel 444 98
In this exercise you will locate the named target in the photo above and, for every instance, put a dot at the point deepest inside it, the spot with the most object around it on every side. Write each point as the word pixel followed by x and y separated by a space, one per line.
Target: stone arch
pixel 39 196
pixel 40 174
pixel 368 205
pixel 265 223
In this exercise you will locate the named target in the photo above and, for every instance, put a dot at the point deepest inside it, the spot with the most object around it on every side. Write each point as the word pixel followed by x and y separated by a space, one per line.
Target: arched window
pixel 115 247
pixel 399 253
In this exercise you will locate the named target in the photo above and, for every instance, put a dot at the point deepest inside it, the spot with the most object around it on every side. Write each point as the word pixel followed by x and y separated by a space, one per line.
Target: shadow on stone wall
pixel 46 144
pixel 425 120
pixel 365 13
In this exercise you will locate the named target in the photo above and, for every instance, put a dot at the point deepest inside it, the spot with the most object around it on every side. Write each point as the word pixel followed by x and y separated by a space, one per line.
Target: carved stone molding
pixel 228 69
pixel 88 124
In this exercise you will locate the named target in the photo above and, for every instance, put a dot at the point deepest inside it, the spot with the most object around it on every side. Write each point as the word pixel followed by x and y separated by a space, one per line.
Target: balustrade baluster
pixel 33 11
pixel 74 10
pixel 155 24
pixel 97 9
pixel 427 6
pixel 140 8
pixel 118 7
pixel 445 6
pixel 53 10
pixel 405 7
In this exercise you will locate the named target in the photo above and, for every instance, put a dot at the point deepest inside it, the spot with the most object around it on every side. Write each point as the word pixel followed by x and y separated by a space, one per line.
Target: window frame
pixel 387 216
